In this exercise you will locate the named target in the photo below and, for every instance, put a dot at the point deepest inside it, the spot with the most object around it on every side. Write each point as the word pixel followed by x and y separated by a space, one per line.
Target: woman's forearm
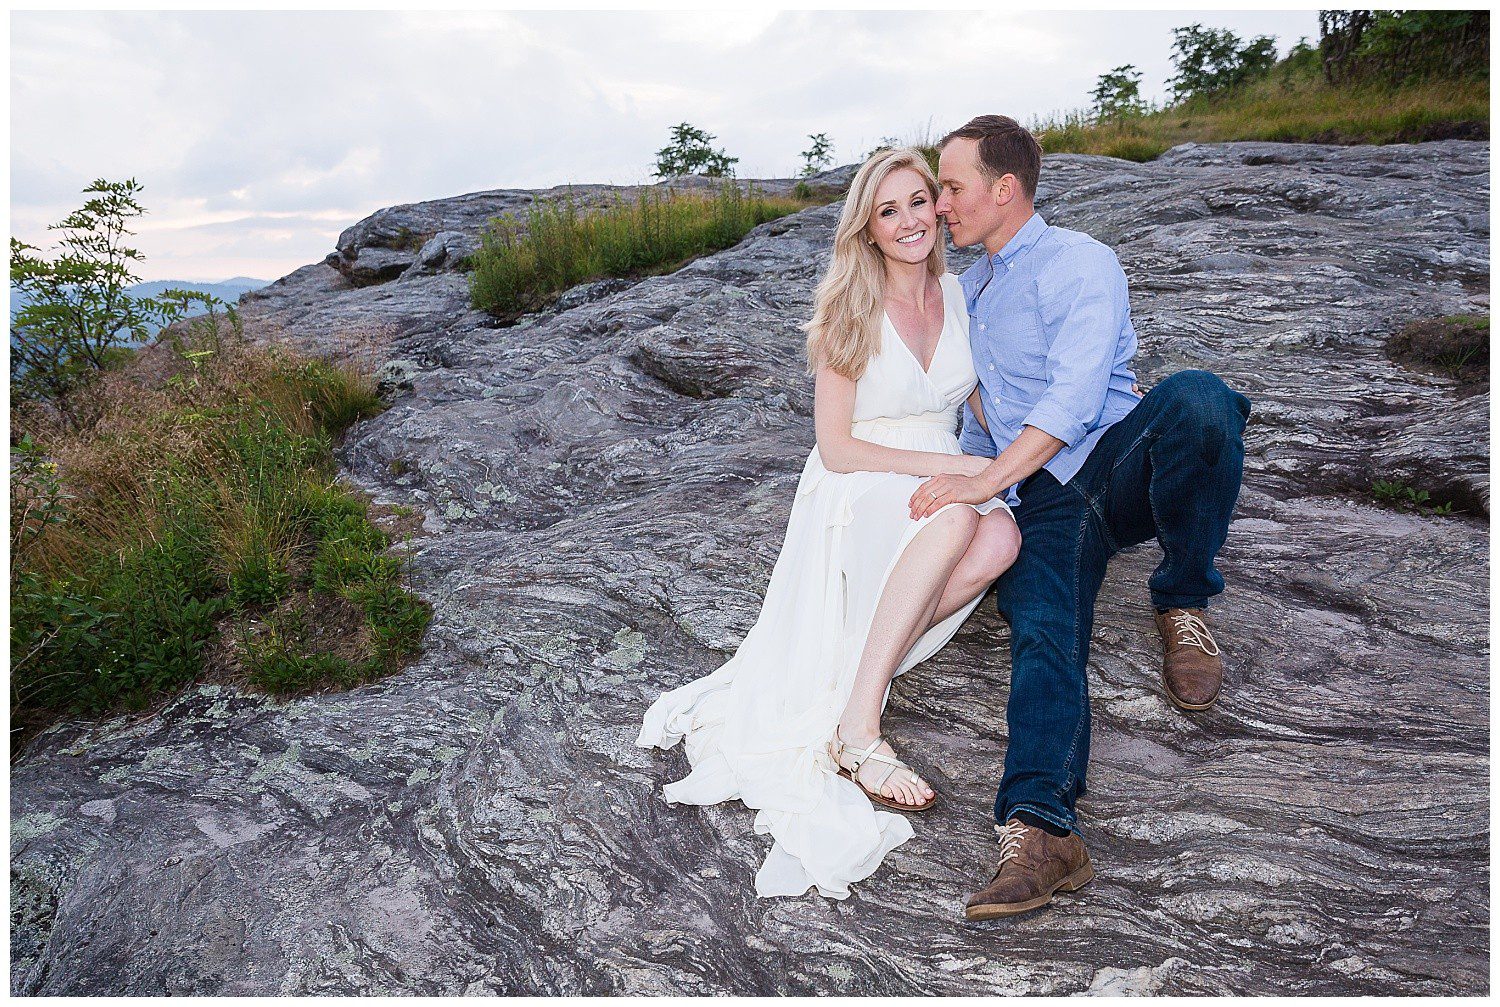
pixel 853 454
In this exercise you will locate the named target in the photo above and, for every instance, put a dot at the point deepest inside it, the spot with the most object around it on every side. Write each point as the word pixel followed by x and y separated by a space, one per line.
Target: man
pixel 1089 467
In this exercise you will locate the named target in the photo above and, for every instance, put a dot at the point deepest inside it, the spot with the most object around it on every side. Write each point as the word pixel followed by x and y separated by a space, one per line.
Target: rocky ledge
pixel 605 487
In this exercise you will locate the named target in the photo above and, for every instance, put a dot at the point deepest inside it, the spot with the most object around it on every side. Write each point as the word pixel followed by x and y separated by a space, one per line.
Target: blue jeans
pixel 1169 470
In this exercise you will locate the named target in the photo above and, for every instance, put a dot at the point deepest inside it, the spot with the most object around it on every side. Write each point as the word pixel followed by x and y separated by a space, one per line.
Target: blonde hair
pixel 844 332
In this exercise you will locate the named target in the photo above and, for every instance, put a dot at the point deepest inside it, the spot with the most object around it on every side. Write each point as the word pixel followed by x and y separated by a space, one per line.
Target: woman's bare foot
pixel 894 783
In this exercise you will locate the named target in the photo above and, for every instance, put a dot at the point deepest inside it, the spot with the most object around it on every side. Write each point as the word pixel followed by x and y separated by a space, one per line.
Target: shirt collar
pixel 1021 240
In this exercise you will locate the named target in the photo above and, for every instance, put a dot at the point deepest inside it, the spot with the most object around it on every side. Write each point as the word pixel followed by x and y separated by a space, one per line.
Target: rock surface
pixel 605 489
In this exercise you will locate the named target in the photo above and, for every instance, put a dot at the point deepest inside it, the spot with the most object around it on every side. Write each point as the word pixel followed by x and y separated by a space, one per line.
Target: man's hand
pixel 942 490
pixel 1031 449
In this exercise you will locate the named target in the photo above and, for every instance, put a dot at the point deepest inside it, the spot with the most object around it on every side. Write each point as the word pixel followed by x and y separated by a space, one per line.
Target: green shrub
pixel 1213 60
pixel 191 508
pixel 818 155
pixel 1396 47
pixel 1398 494
pixel 1117 94
pixel 279 659
pixel 75 312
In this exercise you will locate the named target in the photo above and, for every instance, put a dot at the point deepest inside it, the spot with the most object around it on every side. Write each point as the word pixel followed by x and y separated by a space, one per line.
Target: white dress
pixel 757 728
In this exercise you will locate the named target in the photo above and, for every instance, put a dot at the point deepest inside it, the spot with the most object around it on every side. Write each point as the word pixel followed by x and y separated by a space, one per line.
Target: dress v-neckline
pixel 937 347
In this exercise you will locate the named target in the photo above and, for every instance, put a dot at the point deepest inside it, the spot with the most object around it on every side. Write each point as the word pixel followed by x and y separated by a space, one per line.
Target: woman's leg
pixel 902 615
pixel 995 546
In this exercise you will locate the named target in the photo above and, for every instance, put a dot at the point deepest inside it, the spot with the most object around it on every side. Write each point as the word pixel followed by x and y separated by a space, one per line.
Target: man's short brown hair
pixel 1005 148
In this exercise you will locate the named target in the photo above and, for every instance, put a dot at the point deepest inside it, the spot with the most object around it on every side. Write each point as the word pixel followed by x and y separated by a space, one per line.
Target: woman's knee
pixel 996 544
pixel 1001 546
pixel 964 521
pixel 955 527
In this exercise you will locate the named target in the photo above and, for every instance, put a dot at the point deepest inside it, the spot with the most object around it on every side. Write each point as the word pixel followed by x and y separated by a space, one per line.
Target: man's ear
pixel 1006 188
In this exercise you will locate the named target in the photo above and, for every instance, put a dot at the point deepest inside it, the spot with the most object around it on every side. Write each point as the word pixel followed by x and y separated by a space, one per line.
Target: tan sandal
pixel 859 758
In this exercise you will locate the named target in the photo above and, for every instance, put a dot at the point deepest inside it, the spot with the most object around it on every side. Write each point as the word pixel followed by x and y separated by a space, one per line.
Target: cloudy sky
pixel 260 136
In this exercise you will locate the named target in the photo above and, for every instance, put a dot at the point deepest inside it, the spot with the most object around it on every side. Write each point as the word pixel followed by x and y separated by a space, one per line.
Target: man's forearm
pixel 1024 456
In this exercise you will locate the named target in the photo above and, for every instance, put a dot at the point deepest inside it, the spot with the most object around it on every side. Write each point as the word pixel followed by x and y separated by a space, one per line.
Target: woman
pixel 860 593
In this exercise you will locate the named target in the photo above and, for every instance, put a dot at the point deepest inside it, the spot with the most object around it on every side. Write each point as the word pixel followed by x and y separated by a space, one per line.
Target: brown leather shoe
pixel 1033 864
pixel 1192 671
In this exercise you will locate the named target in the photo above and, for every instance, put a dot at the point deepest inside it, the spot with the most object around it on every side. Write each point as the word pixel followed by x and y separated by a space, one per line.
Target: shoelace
pixel 1010 840
pixel 1192 631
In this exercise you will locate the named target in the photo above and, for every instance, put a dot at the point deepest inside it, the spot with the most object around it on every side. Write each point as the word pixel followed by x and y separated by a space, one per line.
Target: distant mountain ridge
pixel 225 290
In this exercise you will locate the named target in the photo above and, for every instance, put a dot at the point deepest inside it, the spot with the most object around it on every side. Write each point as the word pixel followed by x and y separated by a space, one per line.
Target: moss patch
pixel 1457 346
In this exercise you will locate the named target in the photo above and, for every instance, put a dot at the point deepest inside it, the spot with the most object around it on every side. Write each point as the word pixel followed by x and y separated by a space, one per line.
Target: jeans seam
pixel 1146 432
pixel 1097 506
pixel 1072 658
pixel 1098 513
pixel 1156 519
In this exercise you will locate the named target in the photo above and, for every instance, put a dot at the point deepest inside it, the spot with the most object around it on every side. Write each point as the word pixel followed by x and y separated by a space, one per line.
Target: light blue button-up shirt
pixel 1049 327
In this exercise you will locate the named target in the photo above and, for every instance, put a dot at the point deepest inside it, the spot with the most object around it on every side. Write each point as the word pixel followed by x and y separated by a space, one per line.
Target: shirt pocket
pixel 1025 340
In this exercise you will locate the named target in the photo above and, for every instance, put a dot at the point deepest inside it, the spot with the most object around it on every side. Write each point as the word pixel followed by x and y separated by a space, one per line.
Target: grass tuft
pixel 524 263
pixel 1283 107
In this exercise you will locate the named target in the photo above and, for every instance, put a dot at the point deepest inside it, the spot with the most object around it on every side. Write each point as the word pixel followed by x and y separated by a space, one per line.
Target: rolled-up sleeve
pixel 1083 297
pixel 973 439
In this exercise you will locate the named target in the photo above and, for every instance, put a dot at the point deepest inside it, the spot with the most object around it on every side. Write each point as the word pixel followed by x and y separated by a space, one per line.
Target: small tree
pixel 1340 34
pixel 1213 60
pixel 818 155
pixel 77 312
pixel 1395 46
pixel 886 143
pixel 690 153
pixel 1117 95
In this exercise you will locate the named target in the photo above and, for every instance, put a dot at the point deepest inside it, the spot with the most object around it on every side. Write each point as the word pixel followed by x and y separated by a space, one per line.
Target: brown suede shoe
pixel 1033 864
pixel 1191 670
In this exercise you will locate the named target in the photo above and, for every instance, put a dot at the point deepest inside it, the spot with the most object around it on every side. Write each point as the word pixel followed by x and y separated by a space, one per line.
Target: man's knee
pixel 1202 399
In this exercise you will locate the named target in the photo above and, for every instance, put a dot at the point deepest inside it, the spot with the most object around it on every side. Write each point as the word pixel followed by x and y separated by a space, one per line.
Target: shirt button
pixel 981 326
pixel 992 367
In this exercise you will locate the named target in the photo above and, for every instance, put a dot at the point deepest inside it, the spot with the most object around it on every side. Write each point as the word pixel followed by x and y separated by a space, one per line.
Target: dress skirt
pixel 756 729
